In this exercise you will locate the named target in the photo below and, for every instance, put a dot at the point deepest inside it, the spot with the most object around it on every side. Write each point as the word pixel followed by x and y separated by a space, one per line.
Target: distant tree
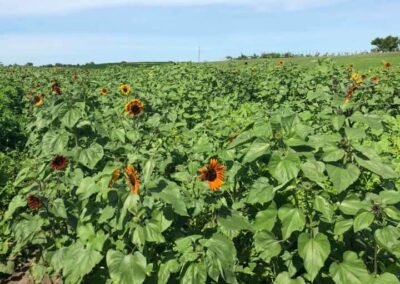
pixel 242 56
pixel 29 64
pixel 228 57
pixel 389 43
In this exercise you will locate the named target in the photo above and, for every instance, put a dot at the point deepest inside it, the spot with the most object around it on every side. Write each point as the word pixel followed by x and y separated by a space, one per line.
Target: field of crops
pixel 197 173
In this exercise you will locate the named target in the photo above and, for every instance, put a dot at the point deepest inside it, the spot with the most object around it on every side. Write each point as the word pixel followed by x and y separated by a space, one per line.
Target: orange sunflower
pixel 387 64
pixel 114 177
pixel 134 107
pixel 132 178
pixel 38 100
pixel 125 89
pixel 104 91
pixel 213 173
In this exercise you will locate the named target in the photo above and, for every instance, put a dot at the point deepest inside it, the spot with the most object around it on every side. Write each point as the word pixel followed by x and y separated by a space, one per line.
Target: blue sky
pixel 80 31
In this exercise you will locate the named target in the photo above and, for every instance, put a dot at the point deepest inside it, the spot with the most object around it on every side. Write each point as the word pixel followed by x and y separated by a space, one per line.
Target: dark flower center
pixel 37 99
pixel 211 175
pixel 59 161
pixel 135 109
pixel 125 89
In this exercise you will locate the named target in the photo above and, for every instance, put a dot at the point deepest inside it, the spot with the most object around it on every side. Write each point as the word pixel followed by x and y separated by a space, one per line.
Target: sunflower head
pixel 281 62
pixel 114 177
pixel 38 100
pixel 55 88
pixel 134 107
pixel 104 91
pixel 125 89
pixel 59 163
pixel 34 202
pixel 387 64
pixel 347 100
pixel 375 79
pixel 357 78
pixel 132 178
pixel 213 173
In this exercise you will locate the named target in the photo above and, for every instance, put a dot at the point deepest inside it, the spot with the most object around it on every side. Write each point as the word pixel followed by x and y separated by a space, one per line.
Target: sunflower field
pixel 202 173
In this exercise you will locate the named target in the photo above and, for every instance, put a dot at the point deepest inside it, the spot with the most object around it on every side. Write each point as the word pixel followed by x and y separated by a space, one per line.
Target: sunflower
pixel 59 163
pixel 281 62
pixel 125 89
pixel 38 100
pixel 387 64
pixel 132 178
pixel 114 177
pixel 104 91
pixel 357 78
pixel 55 88
pixel 34 202
pixel 347 100
pixel 134 107
pixel 213 173
pixel 375 79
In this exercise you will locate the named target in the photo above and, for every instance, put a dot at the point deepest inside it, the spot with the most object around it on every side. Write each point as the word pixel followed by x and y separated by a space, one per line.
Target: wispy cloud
pixel 43 7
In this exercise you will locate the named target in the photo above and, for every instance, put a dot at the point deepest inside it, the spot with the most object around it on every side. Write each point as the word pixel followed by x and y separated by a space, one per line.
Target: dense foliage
pixel 110 192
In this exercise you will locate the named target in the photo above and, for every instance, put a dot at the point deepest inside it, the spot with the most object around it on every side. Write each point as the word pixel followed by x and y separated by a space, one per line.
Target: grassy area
pixel 360 62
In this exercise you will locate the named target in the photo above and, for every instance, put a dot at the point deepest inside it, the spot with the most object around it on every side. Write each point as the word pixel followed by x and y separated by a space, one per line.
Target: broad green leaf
pixel 354 134
pixel 58 208
pixel 166 268
pixel 118 134
pixel 337 121
pixel 55 143
pixel 332 154
pixel 266 245
pixel 314 252
pixel 87 188
pixel 71 117
pixel 17 202
pixel 342 178
pixel 314 171
pixel 363 220
pixel 392 212
pixel 342 226
pixel 127 269
pixel 390 197
pixel 352 205
pixel 266 219
pixel 377 167
pixel 172 195
pixel 260 192
pixel 195 273
pixel 147 171
pixel 351 270
pixel 91 156
pixel 292 219
pixel 284 168
pixel 386 278
pixel 389 239
pixel 325 207
pixel 255 151
pixel 231 224
pixel 284 278
pixel 79 261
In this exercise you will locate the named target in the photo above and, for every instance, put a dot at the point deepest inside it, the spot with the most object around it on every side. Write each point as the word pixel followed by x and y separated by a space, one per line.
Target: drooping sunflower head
pixel 114 177
pixel 213 173
pixel 387 64
pixel 55 88
pixel 38 100
pixel 34 202
pixel 132 178
pixel 59 163
pixel 104 91
pixel 125 89
pixel 134 107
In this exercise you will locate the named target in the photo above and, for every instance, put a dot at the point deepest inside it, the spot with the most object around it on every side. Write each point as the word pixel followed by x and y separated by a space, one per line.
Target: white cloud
pixel 29 7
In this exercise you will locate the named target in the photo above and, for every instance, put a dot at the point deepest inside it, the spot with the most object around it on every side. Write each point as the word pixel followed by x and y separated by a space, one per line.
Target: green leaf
pixel 166 268
pixel 390 197
pixel 266 219
pixel 342 226
pixel 147 171
pixel 392 212
pixel 58 208
pixel 71 117
pixel 255 151
pixel 261 192
pixel 351 205
pixel 127 269
pixel 195 273
pixel 325 207
pixel 91 156
pixel 284 169
pixel 233 223
pixel 78 262
pixel 386 278
pixel 354 134
pixel 389 239
pixel 363 220
pixel 292 219
pixel 17 202
pixel 314 252
pixel 284 278
pixel 266 245
pixel 172 195
pixel 377 167
pixel 332 154
pixel 342 178
pixel 314 171
pixel 87 188
pixel 54 143
pixel 351 270
pixel 118 134
pixel 337 121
